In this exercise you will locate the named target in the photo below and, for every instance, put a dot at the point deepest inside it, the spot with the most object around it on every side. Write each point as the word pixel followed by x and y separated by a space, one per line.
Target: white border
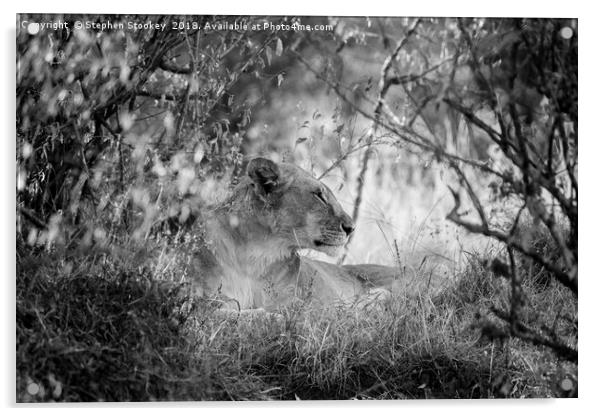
pixel 590 150
pixel 507 8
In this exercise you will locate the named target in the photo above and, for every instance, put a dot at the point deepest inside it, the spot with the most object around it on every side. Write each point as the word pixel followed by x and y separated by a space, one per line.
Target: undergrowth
pixel 94 327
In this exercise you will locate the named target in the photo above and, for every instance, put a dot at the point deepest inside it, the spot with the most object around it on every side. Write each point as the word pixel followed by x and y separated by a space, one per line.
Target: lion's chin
pixel 329 249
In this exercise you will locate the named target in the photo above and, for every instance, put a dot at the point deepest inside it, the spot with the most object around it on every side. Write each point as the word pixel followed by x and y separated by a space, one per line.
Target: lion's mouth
pixel 319 243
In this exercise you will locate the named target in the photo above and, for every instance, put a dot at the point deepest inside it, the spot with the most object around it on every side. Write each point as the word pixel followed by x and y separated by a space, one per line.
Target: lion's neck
pixel 246 249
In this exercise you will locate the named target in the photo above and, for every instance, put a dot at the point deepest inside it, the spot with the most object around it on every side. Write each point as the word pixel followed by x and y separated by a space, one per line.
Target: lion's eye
pixel 320 195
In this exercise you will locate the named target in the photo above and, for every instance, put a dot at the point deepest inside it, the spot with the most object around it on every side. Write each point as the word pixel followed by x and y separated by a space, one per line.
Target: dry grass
pixel 98 328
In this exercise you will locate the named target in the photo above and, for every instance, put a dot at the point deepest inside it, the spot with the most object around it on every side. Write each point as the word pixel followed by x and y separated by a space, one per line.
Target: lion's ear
pixel 265 174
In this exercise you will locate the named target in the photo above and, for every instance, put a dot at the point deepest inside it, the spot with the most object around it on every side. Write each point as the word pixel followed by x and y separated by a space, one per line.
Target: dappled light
pixel 255 208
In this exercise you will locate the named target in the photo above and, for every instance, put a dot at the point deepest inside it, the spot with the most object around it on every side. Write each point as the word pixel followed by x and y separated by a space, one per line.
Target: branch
pixel 569 166
pixel 31 217
pixel 384 85
pixel 164 96
pixel 567 206
pixel 156 95
pixel 466 112
pixel 569 279
pixel 235 74
pixel 169 67
pixel 407 79
pixel 341 159
pixel 423 144
pixel 472 195
pixel 526 333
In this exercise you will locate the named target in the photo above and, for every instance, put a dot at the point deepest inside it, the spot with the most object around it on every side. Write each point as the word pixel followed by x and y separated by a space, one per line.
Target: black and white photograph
pixel 293 207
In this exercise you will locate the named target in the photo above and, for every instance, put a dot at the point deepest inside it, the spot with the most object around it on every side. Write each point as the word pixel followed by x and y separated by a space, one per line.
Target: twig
pixel 341 159
pixel 423 144
pixel 167 66
pixel 471 193
pixel 31 217
pixel 384 85
pixel 529 334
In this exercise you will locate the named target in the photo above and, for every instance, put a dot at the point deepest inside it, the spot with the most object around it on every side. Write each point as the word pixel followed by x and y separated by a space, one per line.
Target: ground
pixel 96 327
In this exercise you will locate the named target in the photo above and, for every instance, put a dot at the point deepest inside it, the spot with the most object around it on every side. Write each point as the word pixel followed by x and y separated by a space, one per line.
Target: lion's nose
pixel 347 228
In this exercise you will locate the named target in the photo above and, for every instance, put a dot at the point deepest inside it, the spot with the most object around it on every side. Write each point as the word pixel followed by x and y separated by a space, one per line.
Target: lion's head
pixel 284 204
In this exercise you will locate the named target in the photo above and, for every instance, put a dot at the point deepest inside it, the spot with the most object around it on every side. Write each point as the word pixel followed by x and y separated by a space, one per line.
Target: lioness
pixel 253 238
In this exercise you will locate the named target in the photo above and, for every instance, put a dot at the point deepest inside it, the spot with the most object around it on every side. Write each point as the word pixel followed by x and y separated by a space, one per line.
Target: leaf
pixel 268 54
pixel 199 154
pixel 278 47
pixel 280 79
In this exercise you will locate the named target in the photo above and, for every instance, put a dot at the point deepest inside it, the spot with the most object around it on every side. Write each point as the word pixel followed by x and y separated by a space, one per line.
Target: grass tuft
pixel 101 328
